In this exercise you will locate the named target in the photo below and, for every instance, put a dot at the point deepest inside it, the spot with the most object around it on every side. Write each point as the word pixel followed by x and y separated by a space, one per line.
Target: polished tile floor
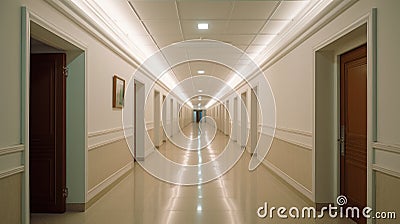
pixel 232 198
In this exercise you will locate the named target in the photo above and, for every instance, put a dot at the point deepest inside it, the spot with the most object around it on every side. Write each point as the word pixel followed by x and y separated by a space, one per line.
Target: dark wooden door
pixel 353 120
pixel 47 127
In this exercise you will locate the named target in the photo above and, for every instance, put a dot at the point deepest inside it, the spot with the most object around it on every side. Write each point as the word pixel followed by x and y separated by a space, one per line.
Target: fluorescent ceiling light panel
pixel 202 26
pixel 201 72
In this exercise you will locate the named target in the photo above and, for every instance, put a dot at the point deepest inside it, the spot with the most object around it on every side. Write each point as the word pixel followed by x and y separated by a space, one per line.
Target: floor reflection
pixel 232 198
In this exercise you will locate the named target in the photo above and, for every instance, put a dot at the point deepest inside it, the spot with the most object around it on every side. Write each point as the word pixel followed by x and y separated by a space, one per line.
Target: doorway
pixel 47 128
pixel 329 118
pixel 139 125
pixel 253 120
pixel 243 118
pixel 227 120
pixel 171 119
pixel 353 127
pixel 59 148
pixel 164 118
pixel 198 114
pixel 157 118
pixel 235 119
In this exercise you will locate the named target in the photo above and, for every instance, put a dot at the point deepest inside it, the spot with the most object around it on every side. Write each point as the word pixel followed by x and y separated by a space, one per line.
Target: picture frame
pixel 118 92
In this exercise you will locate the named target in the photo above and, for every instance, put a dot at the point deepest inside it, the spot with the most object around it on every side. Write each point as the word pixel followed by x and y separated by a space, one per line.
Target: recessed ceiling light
pixel 201 72
pixel 202 26
pixel 200 91
pixel 199 104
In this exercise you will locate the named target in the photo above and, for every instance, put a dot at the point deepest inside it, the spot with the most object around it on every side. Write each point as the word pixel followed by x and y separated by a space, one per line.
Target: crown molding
pixel 310 23
pixel 103 29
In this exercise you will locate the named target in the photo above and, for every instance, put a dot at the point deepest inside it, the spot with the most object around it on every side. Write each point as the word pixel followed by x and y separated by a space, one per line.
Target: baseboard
pixel 76 207
pixel 103 187
pixel 291 182
pixel 319 206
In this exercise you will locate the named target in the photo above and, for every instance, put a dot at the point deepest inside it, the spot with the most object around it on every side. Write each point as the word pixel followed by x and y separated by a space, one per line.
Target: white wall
pixel 291 79
pixel 104 124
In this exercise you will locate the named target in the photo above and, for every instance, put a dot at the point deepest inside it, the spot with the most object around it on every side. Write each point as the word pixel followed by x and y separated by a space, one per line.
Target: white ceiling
pixel 251 26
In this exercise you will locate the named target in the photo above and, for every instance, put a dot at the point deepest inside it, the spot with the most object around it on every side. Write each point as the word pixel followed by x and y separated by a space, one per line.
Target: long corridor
pixel 232 198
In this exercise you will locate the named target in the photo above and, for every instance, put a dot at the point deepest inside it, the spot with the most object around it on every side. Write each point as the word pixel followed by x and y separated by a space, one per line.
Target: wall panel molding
pixel 150 125
pixel 386 158
pixel 10 172
pixel 107 142
pixel 100 138
pixel 297 137
pixel 104 132
pixel 11 149
pixel 11 160
pixel 390 172
pixel 386 147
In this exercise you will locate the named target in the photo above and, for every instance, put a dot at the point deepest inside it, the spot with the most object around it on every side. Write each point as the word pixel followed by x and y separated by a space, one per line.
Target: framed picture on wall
pixel 118 92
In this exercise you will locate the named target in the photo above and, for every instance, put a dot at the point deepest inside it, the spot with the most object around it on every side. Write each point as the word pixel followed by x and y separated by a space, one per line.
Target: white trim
pixel 104 132
pixel 295 131
pixel 34 17
pixel 106 142
pixel 104 137
pixel 108 181
pixel 384 170
pixel 25 17
pixel 305 29
pixel 368 20
pixel 108 131
pixel 288 130
pixel 292 182
pixel 300 144
pixel 354 25
pixel 10 172
pixel 109 38
pixel 11 149
pixel 149 125
pixel 148 152
pixel 31 16
pixel 386 147
pixel 286 44
pixel 288 140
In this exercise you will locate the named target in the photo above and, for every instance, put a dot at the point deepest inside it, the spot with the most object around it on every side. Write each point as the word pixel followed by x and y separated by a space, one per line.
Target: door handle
pixel 342 148
pixel 341 141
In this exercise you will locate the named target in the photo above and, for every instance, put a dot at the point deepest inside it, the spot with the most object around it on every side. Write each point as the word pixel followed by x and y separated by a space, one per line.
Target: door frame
pixel 235 119
pixel 28 16
pixel 139 120
pixel 244 119
pixel 369 20
pixel 163 118
pixel 157 118
pixel 254 120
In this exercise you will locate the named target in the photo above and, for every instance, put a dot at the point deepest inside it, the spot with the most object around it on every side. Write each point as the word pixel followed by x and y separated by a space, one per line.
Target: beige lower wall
pixel 10 199
pixel 106 160
pixel 150 131
pixel 387 194
pixel 293 160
